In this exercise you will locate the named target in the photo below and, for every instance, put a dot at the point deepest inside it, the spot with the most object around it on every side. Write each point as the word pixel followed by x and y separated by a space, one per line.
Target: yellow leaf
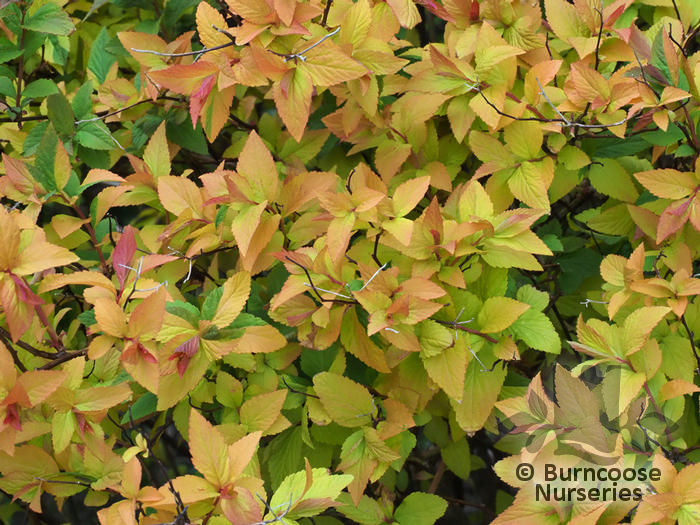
pixel 209 451
pixel 178 194
pixel 338 237
pixel 406 12
pixel 498 313
pixel 356 341
pixel 327 65
pixel 235 294
pixel 156 155
pixel 207 19
pixel 667 183
pixel 260 412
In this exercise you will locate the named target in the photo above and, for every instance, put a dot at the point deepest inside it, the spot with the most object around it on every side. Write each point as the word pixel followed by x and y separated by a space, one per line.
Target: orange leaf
pixel 111 319
pixel 292 96
pixel 182 78
pixel 257 167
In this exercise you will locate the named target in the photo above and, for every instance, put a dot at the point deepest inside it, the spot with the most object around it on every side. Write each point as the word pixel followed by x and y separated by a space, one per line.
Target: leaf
pixel 50 18
pixel 40 88
pixel 233 296
pixel 347 403
pixel 209 451
pixel 327 65
pixel 110 317
pixel 667 183
pixel 156 155
pixel 208 19
pixel 356 341
pixel 406 12
pixel 447 369
pixel 123 255
pixel 257 167
pixel 409 194
pixel 419 508
pixel 457 457
pixel 51 160
pixel 178 194
pixel 311 492
pixel 216 110
pixel 498 313
pixel 101 60
pixel 292 96
pixel 260 412
pixel 481 389
pixel 60 112
pixel 537 331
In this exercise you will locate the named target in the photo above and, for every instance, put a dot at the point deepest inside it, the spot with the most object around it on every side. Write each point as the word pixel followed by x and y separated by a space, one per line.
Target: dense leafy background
pixel 346 262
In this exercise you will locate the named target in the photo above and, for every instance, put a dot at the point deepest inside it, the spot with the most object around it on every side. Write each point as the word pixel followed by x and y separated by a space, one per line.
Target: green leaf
pixel 31 143
pixel 39 89
pixel 44 169
pixel 368 512
pixel 95 135
pixel 419 508
pixel 82 101
pixel 211 303
pixel 50 18
pixel 245 320
pixel 530 295
pixel 285 455
pixel 324 489
pixel 355 285
pixel 101 60
pixel 187 311
pixel 87 318
pixel 347 403
pixel 457 457
pixel 60 112
pixel 221 215
pixel 8 50
pixel 537 331
pixel 143 407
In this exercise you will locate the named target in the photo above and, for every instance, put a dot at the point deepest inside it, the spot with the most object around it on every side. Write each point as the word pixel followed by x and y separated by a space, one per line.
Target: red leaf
pixel 123 254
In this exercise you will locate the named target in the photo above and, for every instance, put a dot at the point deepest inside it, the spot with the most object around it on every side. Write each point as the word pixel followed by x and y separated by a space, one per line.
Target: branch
pixel 326 10
pixel 25 346
pixel 565 122
pixel 600 35
pixel 188 54
pixel 62 357
pixel 300 54
pixel 315 289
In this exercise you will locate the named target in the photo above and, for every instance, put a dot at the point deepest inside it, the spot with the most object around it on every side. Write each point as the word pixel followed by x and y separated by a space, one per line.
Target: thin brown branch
pixel 326 10
pixel 29 348
pixel 188 54
pixel 62 357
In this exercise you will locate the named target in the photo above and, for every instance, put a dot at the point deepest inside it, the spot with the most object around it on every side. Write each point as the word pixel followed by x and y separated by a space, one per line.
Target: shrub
pixel 349 261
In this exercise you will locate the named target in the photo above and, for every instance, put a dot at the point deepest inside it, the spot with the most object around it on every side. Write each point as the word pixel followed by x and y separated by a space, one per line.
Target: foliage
pixel 268 261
